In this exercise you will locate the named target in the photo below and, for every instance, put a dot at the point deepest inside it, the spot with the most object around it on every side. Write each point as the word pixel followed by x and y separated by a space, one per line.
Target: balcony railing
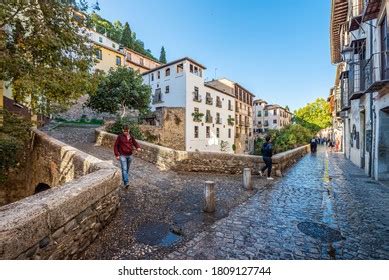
pixel 247 123
pixel 196 97
pixel 377 71
pixel 344 91
pixel 230 108
pixel 209 100
pixel 237 109
pixel 219 120
pixel 356 79
pixel 208 119
pixel 157 99
pixel 218 103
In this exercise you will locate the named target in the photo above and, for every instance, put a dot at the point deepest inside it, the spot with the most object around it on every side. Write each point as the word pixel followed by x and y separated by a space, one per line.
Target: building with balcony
pixel 111 54
pixel 209 112
pixel 269 116
pixel 360 49
pixel 244 140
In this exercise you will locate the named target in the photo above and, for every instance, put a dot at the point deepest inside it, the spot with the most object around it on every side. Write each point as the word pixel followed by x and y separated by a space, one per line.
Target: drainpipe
pixel 372 122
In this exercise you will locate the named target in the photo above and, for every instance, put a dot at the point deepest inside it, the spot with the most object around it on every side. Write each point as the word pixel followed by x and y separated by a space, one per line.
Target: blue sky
pixel 279 50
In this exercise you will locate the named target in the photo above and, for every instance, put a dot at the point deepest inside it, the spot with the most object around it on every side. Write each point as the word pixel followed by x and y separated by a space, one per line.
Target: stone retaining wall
pixel 61 222
pixel 215 162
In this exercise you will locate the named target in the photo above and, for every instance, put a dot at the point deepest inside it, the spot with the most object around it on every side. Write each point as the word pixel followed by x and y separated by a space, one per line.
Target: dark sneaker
pixel 127 186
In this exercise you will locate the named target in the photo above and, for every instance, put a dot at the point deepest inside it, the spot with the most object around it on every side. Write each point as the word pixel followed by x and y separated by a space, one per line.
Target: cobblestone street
pixel 323 208
pixel 155 202
pixel 320 191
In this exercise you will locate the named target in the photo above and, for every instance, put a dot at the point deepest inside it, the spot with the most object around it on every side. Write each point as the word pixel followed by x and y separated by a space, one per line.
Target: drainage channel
pixel 327 231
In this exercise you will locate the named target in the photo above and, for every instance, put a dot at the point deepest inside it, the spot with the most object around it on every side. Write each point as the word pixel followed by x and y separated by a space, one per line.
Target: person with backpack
pixel 267 153
pixel 123 150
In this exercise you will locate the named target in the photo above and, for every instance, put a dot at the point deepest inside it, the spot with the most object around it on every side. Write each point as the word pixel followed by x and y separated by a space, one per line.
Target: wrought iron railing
pixel 377 68
pixel 196 97
pixel 208 118
pixel 209 100
pixel 157 98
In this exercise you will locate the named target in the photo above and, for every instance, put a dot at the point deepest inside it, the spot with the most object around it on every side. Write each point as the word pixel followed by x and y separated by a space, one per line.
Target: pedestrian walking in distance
pixel 313 145
pixel 123 149
pixel 267 153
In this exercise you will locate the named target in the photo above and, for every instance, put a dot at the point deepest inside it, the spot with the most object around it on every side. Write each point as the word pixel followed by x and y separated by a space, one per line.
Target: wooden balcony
pixel 356 16
pixel 372 9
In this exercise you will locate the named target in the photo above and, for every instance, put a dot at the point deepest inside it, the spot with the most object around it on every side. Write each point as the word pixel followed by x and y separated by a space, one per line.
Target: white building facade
pixel 359 39
pixel 208 111
pixel 267 117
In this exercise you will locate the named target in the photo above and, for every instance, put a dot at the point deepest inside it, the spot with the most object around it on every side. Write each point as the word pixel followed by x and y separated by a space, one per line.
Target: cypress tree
pixel 162 57
pixel 126 39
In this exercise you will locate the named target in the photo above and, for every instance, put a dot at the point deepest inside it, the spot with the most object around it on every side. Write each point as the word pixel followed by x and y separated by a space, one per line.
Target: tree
pixel 126 39
pixel 162 56
pixel 117 30
pixel 45 55
pixel 315 115
pixel 122 88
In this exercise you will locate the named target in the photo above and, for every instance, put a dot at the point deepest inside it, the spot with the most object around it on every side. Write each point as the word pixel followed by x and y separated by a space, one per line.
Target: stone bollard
pixel 209 197
pixel 247 182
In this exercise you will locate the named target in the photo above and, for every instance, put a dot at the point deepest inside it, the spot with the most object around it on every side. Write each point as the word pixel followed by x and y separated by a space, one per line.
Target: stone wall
pixel 214 162
pixel 61 222
pixel 169 128
pixel 53 164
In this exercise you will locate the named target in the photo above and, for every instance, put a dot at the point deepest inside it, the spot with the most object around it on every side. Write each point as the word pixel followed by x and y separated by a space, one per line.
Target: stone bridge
pixel 160 215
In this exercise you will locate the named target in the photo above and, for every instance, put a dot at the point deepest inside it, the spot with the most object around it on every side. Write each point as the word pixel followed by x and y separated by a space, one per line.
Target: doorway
pixel 362 135
pixel 383 145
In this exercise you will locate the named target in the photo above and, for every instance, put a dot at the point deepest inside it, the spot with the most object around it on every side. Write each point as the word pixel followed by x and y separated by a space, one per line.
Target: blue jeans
pixel 125 162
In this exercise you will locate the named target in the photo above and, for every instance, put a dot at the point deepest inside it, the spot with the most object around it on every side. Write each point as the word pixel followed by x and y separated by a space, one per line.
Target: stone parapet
pixel 61 222
pixel 213 162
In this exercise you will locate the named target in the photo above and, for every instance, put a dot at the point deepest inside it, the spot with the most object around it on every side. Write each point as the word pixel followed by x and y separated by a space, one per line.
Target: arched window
pixel 167 72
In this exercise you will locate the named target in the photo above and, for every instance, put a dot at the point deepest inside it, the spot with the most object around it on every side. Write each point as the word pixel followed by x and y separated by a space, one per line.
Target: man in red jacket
pixel 123 151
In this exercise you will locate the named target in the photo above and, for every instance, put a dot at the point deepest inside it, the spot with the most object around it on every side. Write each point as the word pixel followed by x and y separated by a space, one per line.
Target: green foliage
pixel 122 88
pixel 234 147
pixel 119 33
pixel 15 138
pixel 80 121
pixel 45 54
pixel 315 115
pixel 230 121
pixel 197 116
pixel 162 56
pixel 287 138
pixel 117 126
pixel 126 39
pixel 223 146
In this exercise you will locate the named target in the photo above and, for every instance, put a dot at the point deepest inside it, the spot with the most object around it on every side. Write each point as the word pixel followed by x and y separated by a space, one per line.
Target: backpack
pixel 266 150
